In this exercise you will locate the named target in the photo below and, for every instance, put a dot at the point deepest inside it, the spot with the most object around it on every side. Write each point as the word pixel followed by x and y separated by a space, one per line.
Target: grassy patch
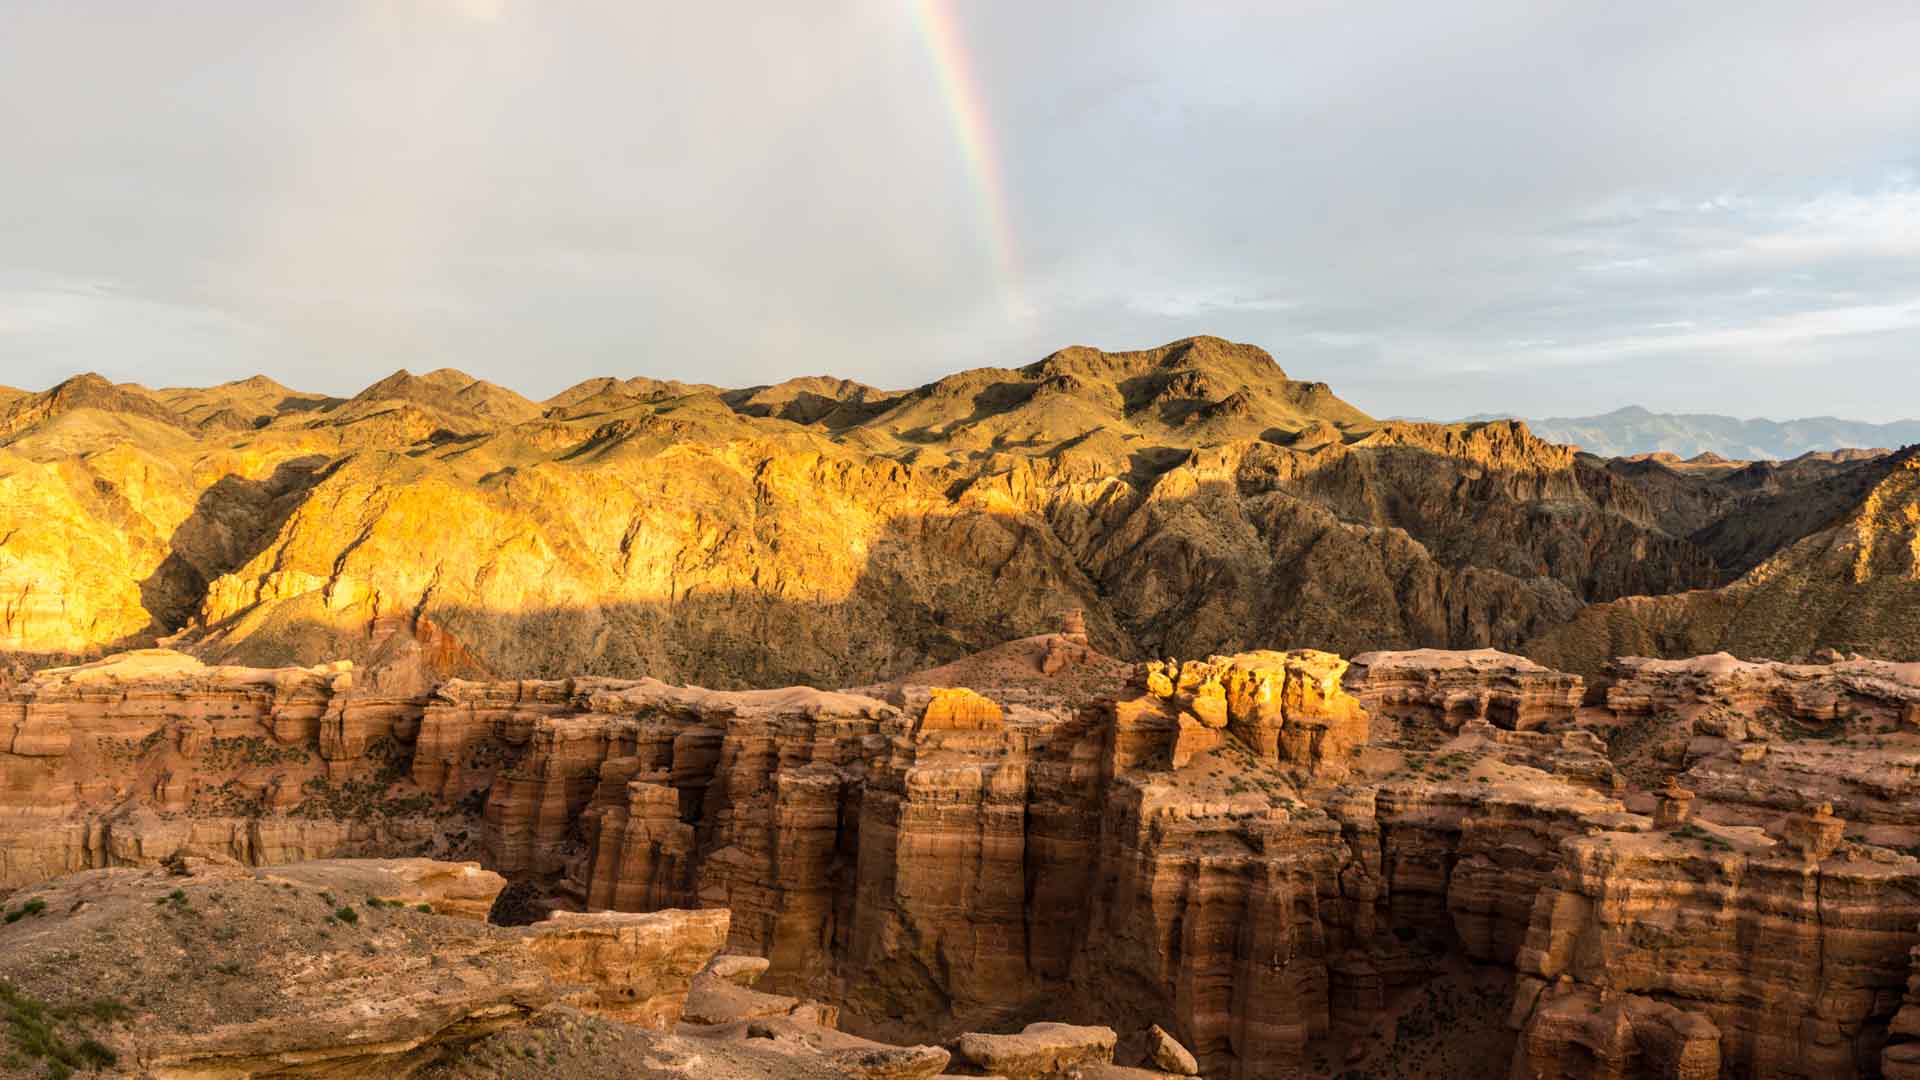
pixel 48 1035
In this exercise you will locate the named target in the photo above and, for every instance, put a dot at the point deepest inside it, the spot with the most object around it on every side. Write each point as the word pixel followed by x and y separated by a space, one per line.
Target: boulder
pixel 1166 1052
pixel 738 970
pixel 1039 1051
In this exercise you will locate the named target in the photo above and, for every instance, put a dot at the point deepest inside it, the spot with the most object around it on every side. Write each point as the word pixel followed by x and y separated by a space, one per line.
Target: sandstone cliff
pixel 1216 847
pixel 1690 868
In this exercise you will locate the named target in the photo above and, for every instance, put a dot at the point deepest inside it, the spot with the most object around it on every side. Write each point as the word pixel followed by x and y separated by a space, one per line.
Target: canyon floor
pixel 1033 861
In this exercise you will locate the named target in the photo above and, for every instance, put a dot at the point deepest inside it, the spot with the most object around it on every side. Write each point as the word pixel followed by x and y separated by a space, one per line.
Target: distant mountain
pixel 1634 430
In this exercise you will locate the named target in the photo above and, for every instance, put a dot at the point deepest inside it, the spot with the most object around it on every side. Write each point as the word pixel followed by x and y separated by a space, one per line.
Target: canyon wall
pixel 1261 852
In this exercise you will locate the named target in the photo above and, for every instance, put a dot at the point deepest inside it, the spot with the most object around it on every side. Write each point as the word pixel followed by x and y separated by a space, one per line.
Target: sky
pixel 1543 208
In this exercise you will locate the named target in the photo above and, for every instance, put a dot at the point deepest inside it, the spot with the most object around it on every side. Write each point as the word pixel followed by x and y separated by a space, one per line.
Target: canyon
pixel 1288 864
pixel 1116 716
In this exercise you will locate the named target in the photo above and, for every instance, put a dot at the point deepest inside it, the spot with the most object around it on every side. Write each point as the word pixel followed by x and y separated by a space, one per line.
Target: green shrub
pixel 347 915
pixel 35 906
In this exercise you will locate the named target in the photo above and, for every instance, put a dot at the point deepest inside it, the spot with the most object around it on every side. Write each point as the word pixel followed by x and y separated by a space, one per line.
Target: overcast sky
pixel 1547 208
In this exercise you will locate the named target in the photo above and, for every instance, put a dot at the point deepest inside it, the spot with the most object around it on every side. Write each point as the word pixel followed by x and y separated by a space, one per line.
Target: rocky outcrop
pixel 1038 1052
pixel 1759 741
pixel 1288 708
pixel 304 971
pixel 1437 692
pixel 634 967
pixel 1901 1059
pixel 1575 1032
pixel 1166 1053
pixel 958 709
pixel 125 761
pixel 1644 956
pixel 1732 694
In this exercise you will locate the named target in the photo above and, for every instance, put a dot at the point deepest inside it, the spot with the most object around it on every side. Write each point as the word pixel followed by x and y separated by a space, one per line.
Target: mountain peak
pixel 87 390
pixel 450 390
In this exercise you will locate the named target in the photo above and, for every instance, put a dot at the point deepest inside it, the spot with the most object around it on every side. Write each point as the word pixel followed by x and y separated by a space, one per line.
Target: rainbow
pixel 966 107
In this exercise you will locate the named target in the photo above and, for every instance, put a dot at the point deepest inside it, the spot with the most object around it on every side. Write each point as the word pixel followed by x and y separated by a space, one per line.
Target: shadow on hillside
pixel 300 405
pixel 1342 551
pixel 232 521
pixel 1225 569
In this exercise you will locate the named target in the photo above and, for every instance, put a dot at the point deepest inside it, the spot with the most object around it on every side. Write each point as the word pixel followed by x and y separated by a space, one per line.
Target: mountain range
pixel 1635 430
pixel 1191 498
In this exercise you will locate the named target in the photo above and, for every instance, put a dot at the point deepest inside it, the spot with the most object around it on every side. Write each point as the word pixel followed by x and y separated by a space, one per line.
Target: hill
pixel 1840 571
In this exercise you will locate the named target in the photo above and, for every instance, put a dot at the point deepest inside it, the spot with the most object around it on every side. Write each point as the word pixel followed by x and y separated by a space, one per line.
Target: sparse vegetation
pixel 127 751
pixel 231 799
pixel 251 750
pixel 46 1035
pixel 357 800
pixel 35 906
pixel 1708 840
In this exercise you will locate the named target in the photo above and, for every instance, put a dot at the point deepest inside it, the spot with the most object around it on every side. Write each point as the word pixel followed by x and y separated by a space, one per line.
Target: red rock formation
pixel 1721 688
pixel 958 709
pixel 1758 742
pixel 1437 691
pixel 1235 950
pixel 1797 963
pixel 1287 707
pixel 94 751
pixel 1221 851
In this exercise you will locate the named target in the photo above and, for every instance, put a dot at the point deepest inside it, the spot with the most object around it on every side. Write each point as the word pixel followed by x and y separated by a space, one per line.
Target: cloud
pixel 1761 338
pixel 1440 209
pixel 77 324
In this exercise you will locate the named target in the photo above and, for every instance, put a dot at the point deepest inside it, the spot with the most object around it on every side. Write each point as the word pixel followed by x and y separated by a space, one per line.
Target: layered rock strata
pixel 1436 692
pixel 1221 847
pixel 124 761
pixel 1730 953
